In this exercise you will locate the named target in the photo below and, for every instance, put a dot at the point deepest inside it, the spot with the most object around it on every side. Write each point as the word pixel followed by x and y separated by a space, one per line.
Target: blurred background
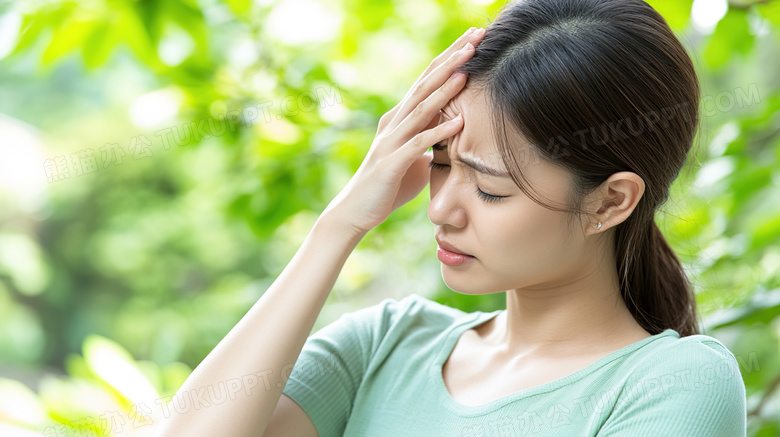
pixel 161 161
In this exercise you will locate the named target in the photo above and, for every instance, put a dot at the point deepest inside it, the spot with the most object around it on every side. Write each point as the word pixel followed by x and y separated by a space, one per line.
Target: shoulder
pixel 411 320
pixel 697 355
pixel 410 311
pixel 379 330
pixel 411 304
pixel 693 381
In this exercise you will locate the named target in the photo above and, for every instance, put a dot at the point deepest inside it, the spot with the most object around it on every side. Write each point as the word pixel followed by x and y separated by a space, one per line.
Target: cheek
pixel 521 239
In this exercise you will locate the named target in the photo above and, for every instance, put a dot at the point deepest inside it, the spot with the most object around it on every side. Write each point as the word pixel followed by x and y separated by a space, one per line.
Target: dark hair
pixel 598 87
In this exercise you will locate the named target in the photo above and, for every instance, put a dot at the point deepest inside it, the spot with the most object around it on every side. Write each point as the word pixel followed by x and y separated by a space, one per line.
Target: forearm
pixel 266 341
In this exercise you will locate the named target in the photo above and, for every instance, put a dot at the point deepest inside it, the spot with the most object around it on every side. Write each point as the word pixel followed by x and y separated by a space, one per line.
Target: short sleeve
pixel 333 361
pixel 692 389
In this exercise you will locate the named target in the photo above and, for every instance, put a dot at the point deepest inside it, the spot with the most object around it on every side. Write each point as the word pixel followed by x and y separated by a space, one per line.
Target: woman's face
pixel 516 243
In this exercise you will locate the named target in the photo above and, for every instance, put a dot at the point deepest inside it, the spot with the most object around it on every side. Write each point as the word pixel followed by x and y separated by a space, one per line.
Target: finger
pixel 430 84
pixel 418 145
pixel 474 38
pixel 421 115
pixel 435 121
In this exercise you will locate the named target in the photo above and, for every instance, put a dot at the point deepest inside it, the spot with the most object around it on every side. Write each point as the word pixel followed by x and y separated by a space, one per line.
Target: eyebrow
pixel 476 165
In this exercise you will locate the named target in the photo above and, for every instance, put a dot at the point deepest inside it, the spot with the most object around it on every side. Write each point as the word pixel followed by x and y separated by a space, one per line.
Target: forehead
pixel 476 141
pixel 472 103
pixel 475 135
pixel 476 138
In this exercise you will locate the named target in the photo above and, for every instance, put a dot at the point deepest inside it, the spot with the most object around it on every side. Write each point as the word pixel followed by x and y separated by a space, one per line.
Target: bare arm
pixel 250 360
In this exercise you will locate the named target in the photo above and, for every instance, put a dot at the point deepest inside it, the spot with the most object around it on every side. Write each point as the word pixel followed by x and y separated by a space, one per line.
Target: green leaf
pixel 174 375
pixel 66 39
pixel 114 365
pixel 373 14
pixel 36 22
pixel 98 46
pixel 763 307
pixel 732 34
pixel 135 33
pixel 748 180
pixel 766 231
pixel 239 7
pixel 770 11
pixel 675 12
pixel 31 27
pixel 190 19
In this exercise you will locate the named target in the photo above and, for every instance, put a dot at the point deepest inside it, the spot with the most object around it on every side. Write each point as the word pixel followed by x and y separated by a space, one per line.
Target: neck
pixel 578 315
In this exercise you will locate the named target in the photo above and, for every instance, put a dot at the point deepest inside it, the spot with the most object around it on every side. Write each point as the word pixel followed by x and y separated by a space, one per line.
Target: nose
pixel 447 195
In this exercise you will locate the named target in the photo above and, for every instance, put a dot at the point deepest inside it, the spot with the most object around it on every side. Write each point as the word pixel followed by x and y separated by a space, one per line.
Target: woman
pixel 553 203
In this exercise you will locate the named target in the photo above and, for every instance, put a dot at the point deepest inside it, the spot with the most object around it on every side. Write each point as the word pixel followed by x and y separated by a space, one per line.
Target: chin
pixel 469 285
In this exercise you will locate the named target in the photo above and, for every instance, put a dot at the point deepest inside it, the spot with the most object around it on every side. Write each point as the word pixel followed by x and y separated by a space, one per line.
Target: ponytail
pixel 653 283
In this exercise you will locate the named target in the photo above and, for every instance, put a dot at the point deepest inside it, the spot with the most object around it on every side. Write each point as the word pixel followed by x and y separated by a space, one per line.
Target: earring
pixel 598 227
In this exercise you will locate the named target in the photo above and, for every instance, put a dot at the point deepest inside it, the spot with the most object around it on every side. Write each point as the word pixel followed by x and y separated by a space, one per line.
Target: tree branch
pixel 765 397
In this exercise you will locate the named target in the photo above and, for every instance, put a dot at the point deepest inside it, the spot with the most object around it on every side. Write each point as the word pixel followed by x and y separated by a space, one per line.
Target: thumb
pixel 415 179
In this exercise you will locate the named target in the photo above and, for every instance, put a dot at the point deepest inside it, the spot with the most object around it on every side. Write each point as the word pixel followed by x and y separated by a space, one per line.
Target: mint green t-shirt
pixel 376 372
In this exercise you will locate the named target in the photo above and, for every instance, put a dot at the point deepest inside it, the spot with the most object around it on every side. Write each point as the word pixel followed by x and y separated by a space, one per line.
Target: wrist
pixel 335 226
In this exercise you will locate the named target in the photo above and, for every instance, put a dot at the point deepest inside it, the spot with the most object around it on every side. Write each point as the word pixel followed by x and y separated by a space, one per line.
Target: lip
pixel 444 244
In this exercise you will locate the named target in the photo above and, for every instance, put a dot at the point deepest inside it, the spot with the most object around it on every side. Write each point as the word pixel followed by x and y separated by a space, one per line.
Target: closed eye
pixel 489 198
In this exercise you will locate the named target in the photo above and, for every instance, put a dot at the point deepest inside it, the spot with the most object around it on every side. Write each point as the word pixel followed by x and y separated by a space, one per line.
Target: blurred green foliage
pixel 235 123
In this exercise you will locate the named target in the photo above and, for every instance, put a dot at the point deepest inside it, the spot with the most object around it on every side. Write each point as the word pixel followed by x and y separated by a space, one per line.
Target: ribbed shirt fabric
pixel 376 372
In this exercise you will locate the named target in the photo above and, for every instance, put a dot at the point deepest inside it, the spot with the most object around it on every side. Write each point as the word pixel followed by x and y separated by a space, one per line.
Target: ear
pixel 614 201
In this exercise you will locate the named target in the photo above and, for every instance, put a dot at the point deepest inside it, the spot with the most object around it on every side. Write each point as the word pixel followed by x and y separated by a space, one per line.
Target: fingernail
pixel 467 47
pixel 455 74
pixel 477 33
pixel 470 31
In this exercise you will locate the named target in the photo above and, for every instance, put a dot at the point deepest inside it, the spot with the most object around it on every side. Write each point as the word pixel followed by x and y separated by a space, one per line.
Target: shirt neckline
pixel 451 338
